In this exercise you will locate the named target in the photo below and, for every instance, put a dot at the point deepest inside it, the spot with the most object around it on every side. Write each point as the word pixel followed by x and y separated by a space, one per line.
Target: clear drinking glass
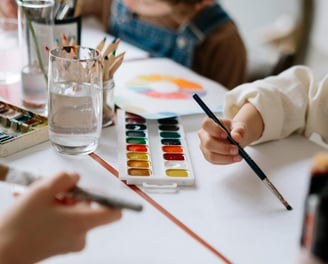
pixel 75 99
pixel 36 36
pixel 9 52
pixel 10 65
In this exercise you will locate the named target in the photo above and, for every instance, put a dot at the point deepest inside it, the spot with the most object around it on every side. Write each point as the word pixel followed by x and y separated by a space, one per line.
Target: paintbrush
pixel 23 178
pixel 244 154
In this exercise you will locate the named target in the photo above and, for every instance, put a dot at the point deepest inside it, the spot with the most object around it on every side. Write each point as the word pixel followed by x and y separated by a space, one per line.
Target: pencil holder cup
pixel 36 36
pixel 108 103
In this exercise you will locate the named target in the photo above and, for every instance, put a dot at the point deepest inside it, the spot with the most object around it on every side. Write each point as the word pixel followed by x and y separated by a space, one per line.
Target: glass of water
pixel 9 52
pixel 10 65
pixel 75 99
pixel 36 36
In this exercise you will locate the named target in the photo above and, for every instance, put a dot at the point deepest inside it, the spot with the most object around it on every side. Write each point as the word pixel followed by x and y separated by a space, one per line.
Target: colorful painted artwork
pixel 161 88
pixel 165 86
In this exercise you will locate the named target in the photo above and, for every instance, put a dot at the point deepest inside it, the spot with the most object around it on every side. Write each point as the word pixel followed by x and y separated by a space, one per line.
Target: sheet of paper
pixel 159 87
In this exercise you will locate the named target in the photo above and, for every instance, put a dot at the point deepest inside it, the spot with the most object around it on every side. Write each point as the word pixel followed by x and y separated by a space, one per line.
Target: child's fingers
pixel 62 182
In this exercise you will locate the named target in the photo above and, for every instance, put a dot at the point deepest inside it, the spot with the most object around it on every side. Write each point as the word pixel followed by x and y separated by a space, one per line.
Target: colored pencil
pixel 243 153
pixel 116 64
pixel 110 62
pixel 112 47
pixel 72 41
pixel 101 45
pixel 107 62
pixel 64 40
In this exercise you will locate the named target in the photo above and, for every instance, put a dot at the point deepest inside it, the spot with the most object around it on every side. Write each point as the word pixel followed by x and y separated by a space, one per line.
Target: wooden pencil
pixel 101 44
pixel 72 41
pixel 111 47
pixel 116 64
pixel 107 62
pixel 64 40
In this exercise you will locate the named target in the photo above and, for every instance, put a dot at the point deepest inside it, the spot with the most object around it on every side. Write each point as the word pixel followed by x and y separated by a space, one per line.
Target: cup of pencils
pixel 111 62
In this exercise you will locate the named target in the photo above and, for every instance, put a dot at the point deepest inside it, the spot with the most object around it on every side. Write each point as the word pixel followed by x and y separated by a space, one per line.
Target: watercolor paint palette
pixel 153 153
pixel 20 129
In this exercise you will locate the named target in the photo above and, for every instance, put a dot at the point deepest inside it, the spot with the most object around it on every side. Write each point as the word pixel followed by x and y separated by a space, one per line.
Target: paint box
pixel 20 129
pixel 153 153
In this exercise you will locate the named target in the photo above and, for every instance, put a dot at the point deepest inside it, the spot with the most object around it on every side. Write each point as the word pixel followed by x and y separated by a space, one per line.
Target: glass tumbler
pixel 36 37
pixel 9 52
pixel 75 99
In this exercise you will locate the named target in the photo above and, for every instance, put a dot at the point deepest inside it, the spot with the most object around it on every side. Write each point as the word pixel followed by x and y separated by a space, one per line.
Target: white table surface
pixel 228 207
pixel 145 237
pixel 231 208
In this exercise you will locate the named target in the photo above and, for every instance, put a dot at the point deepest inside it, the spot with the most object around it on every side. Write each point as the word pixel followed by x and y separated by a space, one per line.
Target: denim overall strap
pixel 196 31
pixel 207 21
pixel 161 42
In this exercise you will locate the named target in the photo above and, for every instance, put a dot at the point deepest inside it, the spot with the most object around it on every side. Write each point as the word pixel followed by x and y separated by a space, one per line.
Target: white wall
pixel 251 15
pixel 318 54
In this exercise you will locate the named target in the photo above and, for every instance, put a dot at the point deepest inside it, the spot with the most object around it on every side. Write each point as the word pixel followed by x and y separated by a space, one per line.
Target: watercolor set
pixel 153 153
pixel 20 129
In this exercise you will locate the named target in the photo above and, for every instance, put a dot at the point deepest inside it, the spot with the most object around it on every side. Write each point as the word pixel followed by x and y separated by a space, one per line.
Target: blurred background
pixel 281 33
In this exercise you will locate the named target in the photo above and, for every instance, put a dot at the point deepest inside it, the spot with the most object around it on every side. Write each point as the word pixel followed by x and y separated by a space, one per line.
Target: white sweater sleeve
pixel 290 102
